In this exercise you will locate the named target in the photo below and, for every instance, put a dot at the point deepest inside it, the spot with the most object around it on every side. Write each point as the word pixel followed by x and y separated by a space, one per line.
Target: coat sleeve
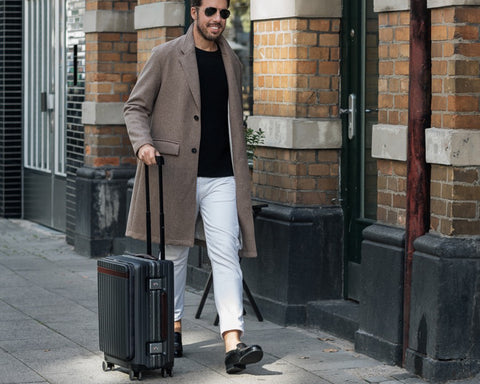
pixel 138 108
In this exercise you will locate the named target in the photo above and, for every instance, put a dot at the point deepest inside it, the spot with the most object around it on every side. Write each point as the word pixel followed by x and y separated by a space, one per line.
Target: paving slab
pixel 15 371
pixel 41 342
pixel 9 313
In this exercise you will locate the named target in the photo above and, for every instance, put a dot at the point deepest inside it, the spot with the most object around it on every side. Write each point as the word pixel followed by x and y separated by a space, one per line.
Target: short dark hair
pixel 198 3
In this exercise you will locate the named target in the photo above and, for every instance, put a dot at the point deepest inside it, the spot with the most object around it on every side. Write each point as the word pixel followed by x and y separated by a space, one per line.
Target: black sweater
pixel 214 158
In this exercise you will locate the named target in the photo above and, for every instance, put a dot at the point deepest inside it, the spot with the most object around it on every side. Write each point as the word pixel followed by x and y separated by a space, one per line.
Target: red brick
pixel 104 161
pixel 322 25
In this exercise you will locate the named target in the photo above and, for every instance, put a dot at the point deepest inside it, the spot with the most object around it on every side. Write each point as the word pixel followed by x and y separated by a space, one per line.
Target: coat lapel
pixel 233 77
pixel 188 61
pixel 232 74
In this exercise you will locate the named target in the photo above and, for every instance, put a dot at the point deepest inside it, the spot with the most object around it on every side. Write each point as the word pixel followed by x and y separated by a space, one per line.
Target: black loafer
pixel 177 345
pixel 237 359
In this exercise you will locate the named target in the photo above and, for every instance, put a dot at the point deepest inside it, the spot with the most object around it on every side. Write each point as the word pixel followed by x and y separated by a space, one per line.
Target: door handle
pixel 47 102
pixel 352 112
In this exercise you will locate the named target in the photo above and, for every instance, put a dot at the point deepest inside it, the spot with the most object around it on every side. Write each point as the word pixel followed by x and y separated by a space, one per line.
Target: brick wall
pixel 111 65
pixel 455 191
pixel 296 67
pixel 455 67
pixel 393 55
pixel 391 195
pixel 306 177
pixel 393 52
pixel 149 38
pixel 296 75
pixel 107 145
pixel 455 194
pixel 117 5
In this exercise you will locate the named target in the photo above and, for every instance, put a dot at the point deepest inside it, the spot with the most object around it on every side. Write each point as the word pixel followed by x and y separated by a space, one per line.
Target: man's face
pixel 210 27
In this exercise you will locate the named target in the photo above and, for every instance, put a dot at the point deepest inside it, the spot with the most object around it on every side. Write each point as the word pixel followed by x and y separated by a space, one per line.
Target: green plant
pixel 253 138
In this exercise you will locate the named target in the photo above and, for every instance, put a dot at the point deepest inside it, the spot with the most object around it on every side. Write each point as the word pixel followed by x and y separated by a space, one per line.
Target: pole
pixel 419 118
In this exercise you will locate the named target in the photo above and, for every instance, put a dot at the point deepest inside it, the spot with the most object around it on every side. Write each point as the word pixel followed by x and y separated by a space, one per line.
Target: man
pixel 187 106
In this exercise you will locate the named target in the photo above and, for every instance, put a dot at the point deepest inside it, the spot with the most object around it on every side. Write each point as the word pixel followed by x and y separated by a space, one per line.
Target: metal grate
pixel 75 10
pixel 11 108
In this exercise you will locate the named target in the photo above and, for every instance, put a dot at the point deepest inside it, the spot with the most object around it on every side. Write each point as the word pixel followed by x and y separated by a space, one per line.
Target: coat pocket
pixel 166 147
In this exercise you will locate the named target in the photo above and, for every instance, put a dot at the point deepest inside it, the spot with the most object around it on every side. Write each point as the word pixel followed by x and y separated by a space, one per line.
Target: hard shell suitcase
pixel 135 305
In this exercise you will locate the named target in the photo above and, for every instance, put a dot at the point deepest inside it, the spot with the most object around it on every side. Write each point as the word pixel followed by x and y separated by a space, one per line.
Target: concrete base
pixel 438 370
pixel 445 310
pixel 100 209
pixel 445 313
pixel 300 260
pixel 381 303
pixel 379 348
pixel 339 317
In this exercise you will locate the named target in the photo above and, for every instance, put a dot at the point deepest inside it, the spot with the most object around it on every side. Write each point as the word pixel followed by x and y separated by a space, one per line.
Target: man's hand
pixel 147 154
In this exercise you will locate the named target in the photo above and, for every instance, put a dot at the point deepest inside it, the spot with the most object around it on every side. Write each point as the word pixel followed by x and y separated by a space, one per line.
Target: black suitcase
pixel 135 305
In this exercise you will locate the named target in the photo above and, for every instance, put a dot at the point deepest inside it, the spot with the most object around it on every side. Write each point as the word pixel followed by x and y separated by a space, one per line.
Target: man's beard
pixel 206 35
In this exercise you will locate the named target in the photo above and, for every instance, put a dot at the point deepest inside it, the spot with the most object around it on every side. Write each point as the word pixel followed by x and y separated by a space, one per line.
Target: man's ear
pixel 193 13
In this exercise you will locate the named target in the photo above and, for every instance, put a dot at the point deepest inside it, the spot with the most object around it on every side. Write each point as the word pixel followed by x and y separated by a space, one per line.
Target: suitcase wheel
pixel 135 375
pixel 107 366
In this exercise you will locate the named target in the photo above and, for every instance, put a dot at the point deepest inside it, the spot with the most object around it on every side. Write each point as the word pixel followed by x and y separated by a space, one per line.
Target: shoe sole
pixel 252 357
pixel 235 368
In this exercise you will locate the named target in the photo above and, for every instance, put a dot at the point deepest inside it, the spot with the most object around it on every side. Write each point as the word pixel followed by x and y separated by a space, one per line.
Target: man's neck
pixel 204 44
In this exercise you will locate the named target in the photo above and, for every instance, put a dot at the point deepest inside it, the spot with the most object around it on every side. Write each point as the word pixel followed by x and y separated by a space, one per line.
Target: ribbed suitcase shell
pixel 135 311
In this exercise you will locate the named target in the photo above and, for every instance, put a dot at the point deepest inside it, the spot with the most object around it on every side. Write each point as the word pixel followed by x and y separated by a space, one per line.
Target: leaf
pixel 325 339
pixel 330 350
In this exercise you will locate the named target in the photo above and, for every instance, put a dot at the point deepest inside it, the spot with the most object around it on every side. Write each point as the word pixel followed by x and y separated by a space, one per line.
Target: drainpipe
pixel 419 119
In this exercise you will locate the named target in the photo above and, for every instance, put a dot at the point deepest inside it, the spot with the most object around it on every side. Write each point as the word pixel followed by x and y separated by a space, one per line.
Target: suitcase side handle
pixel 160 161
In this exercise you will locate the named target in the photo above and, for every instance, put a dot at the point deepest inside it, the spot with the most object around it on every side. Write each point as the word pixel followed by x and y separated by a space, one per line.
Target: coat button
pixel 196 118
pixel 194 150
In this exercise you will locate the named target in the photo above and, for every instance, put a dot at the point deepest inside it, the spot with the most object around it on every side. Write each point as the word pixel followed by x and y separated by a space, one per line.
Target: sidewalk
pixel 49 332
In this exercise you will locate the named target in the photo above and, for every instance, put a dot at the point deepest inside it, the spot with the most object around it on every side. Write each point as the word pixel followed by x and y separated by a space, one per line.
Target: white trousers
pixel 216 202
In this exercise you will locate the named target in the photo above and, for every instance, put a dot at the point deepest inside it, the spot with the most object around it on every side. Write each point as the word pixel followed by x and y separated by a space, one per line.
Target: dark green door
pixel 359 114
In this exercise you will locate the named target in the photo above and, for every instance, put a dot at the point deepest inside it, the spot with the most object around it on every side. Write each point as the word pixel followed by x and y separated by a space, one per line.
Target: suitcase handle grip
pixel 160 162
pixel 145 256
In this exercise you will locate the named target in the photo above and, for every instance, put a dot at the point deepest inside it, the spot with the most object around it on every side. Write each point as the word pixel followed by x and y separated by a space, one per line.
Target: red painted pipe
pixel 419 119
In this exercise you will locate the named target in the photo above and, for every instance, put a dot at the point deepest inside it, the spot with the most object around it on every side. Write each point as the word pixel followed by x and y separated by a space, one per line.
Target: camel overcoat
pixel 164 110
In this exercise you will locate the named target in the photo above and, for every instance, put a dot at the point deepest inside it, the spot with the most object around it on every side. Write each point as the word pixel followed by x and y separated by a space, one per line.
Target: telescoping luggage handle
pixel 160 162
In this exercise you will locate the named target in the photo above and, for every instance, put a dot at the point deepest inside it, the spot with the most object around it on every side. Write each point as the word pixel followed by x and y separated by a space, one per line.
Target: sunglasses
pixel 210 11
